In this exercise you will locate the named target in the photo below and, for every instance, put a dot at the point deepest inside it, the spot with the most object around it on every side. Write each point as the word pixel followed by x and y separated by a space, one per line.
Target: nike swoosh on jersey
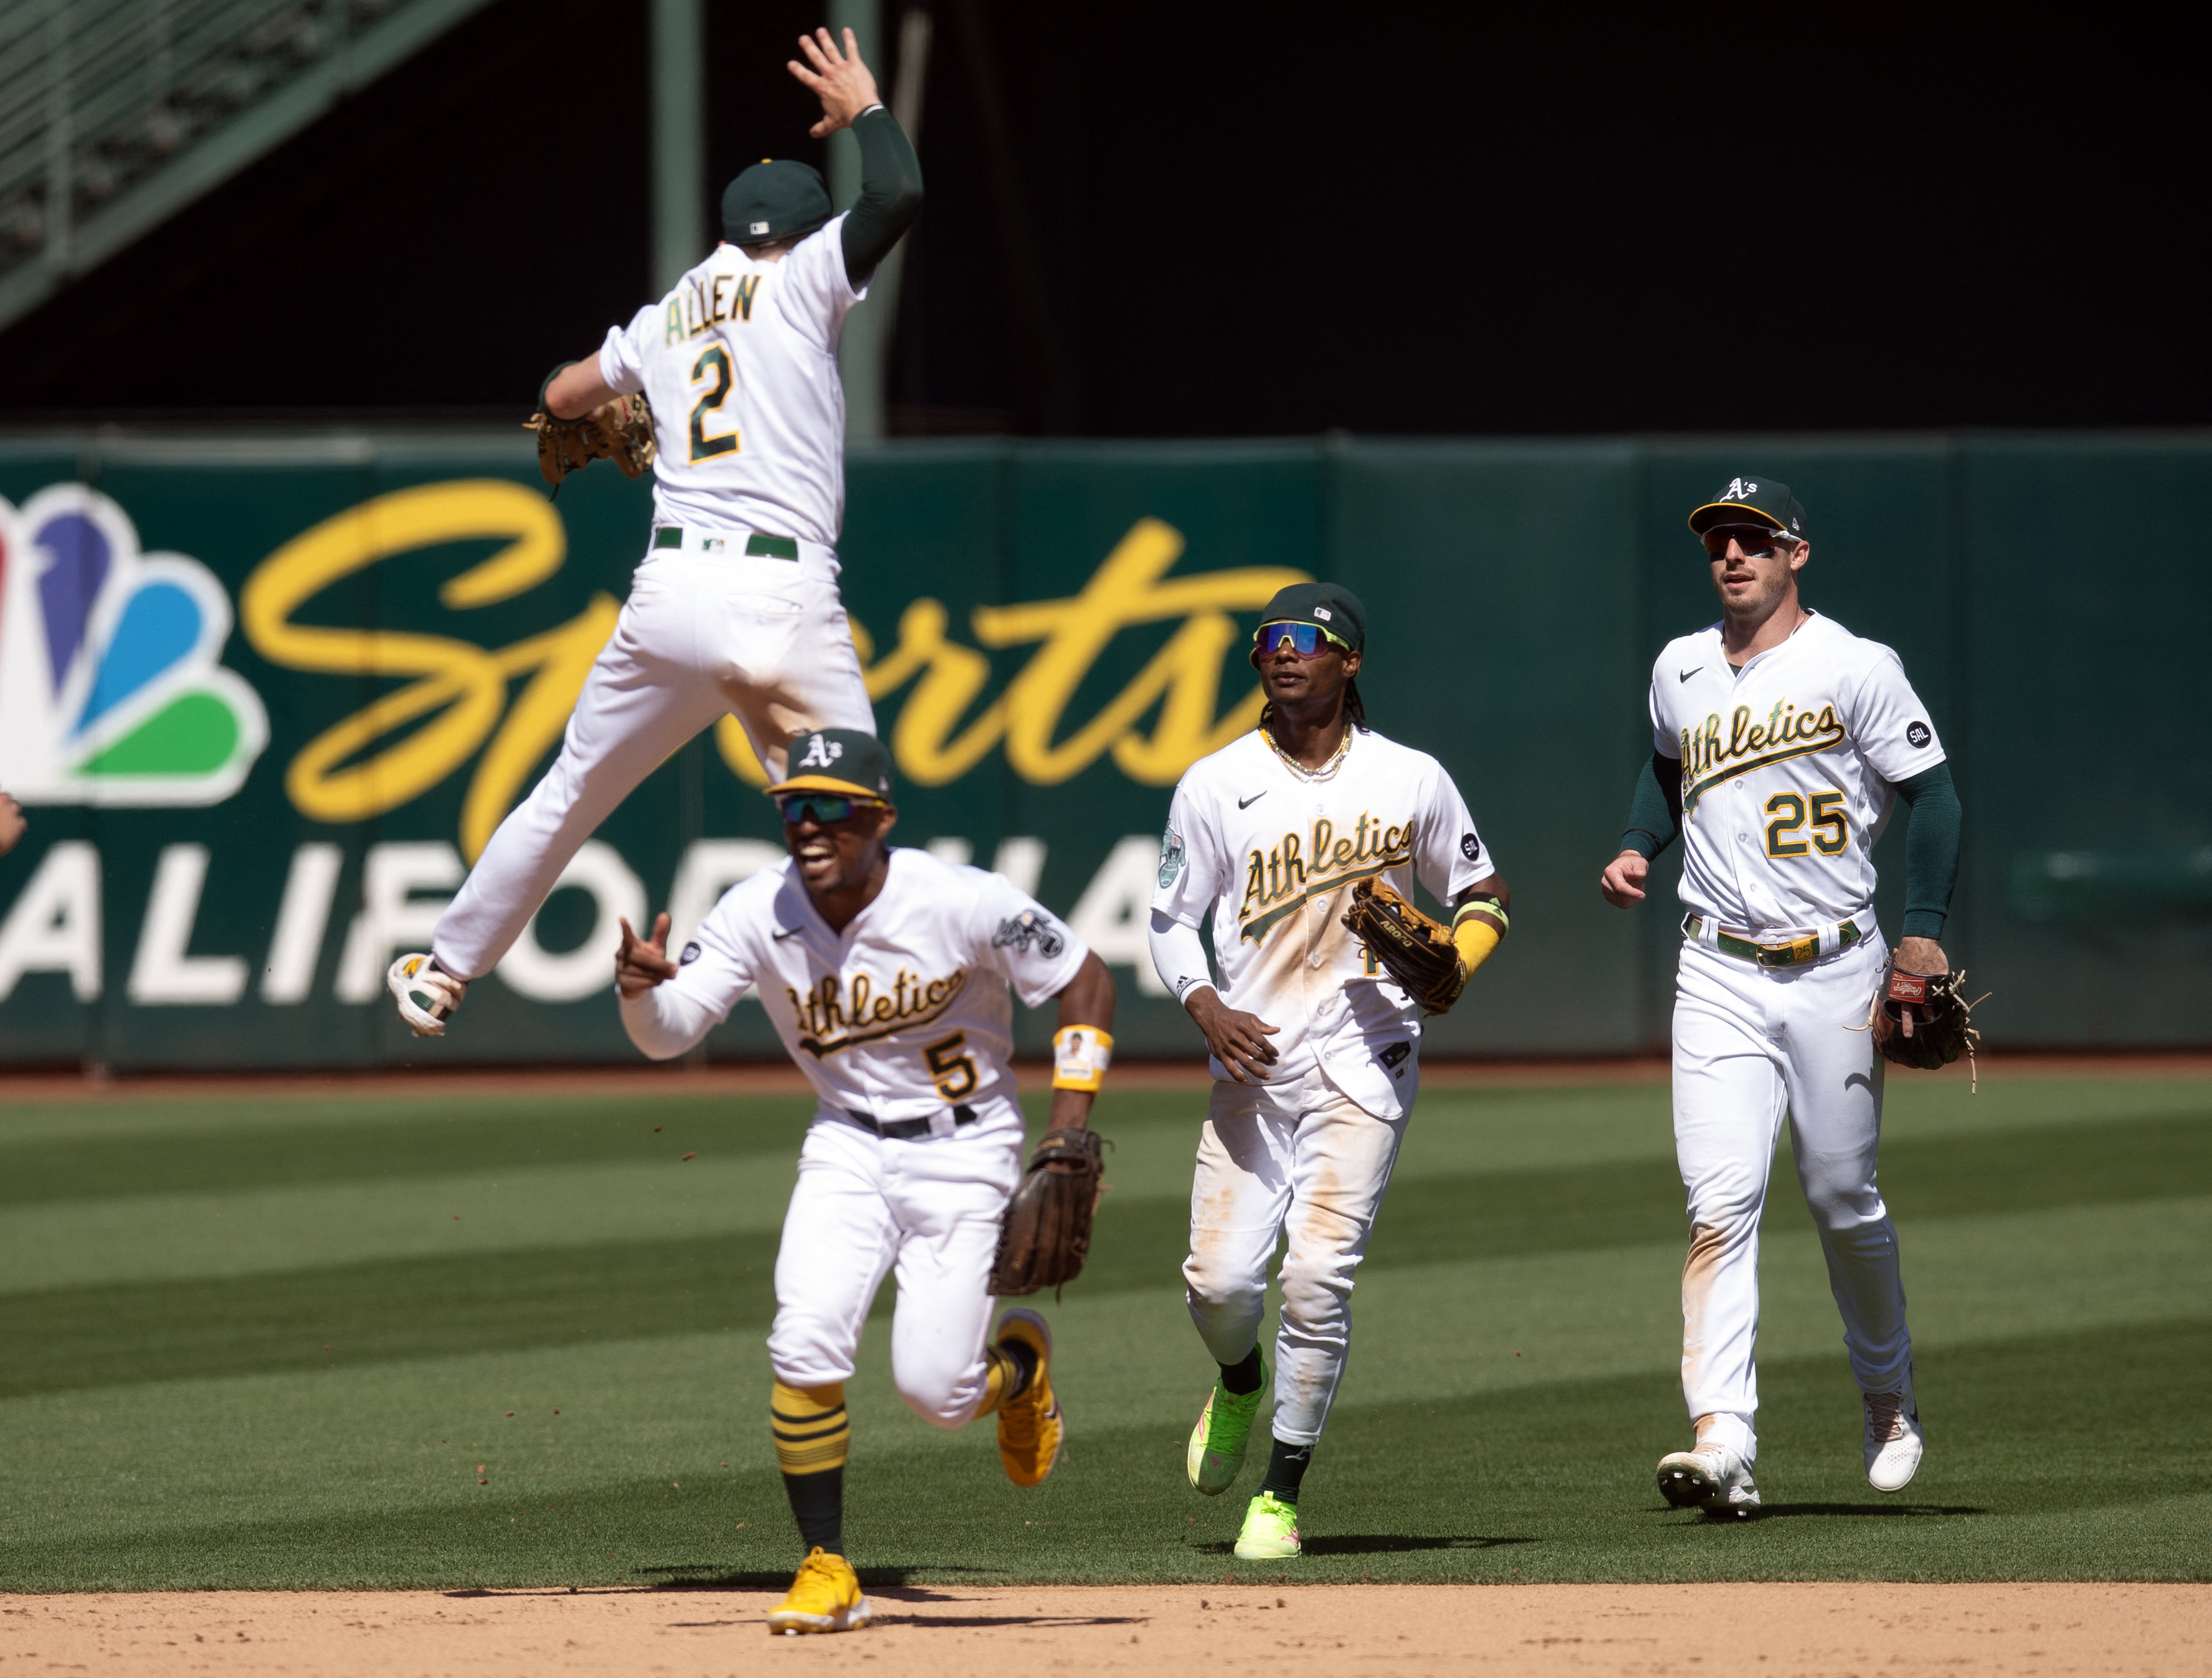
pixel 782 932
pixel 1689 673
pixel 1246 804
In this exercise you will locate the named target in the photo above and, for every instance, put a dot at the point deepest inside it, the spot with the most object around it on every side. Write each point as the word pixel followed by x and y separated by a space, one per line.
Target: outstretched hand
pixel 641 963
pixel 845 86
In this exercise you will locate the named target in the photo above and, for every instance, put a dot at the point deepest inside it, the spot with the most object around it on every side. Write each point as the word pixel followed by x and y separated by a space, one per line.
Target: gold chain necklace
pixel 1326 771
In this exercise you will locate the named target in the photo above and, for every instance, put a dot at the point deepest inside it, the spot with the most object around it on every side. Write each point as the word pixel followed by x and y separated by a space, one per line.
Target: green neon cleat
pixel 1225 1428
pixel 1271 1530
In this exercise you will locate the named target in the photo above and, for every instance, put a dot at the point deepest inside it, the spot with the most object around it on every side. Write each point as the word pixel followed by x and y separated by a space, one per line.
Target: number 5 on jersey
pixel 713 369
pixel 951 1071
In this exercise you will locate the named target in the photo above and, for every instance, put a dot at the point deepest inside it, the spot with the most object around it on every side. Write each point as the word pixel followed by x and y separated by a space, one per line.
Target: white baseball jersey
pixel 904 1015
pixel 1273 858
pixel 1788 771
pixel 739 362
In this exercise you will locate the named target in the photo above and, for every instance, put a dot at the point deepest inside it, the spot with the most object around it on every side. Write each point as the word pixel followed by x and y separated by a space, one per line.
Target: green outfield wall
pixel 264 697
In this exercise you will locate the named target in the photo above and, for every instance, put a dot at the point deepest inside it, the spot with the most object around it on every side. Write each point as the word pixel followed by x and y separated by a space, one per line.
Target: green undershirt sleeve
pixel 1655 811
pixel 890 193
pixel 1931 850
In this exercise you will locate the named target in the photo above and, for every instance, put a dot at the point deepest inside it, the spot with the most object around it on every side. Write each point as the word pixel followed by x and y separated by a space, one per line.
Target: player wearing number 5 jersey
pixel 886 974
pixel 734 608
pixel 1781 744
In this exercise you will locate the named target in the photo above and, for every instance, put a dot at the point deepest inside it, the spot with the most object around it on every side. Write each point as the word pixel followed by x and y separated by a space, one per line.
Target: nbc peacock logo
pixel 111 691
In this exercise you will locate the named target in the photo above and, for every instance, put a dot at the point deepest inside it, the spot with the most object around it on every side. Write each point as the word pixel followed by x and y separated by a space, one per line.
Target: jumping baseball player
pixel 1315 1048
pixel 1781 743
pixel 886 973
pixel 734 607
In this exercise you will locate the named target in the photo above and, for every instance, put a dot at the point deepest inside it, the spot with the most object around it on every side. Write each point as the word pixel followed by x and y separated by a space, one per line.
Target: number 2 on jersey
pixel 952 1071
pixel 1832 828
pixel 715 364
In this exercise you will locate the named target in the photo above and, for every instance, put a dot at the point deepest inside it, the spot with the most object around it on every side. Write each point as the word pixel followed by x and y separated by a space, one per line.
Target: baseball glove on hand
pixel 1922 1020
pixel 621 430
pixel 1045 1233
pixel 1416 952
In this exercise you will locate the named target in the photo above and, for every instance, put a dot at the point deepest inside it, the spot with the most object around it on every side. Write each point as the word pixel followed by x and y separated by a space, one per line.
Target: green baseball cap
pixel 1752 500
pixel 774 199
pixel 836 760
pixel 1335 608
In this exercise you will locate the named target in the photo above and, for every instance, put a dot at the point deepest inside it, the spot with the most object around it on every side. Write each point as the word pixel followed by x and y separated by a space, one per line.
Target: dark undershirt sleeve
pixel 1931 850
pixel 1655 811
pixel 890 193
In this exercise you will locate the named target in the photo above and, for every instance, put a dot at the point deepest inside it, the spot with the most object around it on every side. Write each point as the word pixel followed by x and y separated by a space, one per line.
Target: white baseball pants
pixel 700 634
pixel 1752 1046
pixel 1319 1174
pixel 865 1206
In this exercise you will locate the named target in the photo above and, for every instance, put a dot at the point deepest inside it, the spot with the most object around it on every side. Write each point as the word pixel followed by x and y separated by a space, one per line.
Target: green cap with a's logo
pixel 1335 608
pixel 836 760
pixel 1752 500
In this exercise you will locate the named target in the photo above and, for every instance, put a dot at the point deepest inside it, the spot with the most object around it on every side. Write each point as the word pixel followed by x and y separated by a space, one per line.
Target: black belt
pixel 757 545
pixel 905 1130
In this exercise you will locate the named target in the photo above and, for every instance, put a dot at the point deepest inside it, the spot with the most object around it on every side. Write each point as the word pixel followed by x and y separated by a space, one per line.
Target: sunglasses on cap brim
pixel 1755 540
pixel 823 808
pixel 1308 640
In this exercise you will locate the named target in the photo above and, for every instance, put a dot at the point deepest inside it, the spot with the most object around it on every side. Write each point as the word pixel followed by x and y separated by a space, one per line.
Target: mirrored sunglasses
pixel 1757 544
pixel 822 808
pixel 1308 640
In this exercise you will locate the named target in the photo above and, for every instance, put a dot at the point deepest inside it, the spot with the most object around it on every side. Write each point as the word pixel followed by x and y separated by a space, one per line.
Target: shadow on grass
pixel 1894 1510
pixel 890 1581
pixel 1377 1544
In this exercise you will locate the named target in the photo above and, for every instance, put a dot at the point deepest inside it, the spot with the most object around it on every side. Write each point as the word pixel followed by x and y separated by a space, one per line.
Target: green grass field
pixel 268 1342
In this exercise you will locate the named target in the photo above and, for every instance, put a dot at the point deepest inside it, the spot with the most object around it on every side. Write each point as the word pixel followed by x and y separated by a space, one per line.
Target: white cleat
pixel 411 978
pixel 1893 1439
pixel 1712 1478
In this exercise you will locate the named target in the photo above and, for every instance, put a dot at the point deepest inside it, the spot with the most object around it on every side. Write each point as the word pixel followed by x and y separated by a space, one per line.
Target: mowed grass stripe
pixel 1550 1483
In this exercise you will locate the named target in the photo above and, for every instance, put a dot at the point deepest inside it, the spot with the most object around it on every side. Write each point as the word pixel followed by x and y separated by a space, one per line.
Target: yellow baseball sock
pixel 812 1438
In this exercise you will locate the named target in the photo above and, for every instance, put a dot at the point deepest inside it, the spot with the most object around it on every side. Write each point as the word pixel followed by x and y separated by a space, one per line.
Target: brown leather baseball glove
pixel 1922 1020
pixel 1415 951
pixel 621 431
pixel 1045 1233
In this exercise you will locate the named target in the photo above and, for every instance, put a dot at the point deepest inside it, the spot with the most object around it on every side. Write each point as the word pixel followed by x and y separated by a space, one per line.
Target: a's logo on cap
pixel 758 226
pixel 1322 612
pixel 1738 489
pixel 821 753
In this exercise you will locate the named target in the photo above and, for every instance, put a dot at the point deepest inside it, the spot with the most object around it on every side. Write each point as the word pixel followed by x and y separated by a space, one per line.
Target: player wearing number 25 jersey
pixel 734 609
pixel 886 974
pixel 1782 742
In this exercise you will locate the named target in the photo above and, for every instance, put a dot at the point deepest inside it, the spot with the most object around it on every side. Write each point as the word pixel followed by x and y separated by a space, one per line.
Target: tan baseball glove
pixel 621 431
pixel 1415 951
pixel 1045 1233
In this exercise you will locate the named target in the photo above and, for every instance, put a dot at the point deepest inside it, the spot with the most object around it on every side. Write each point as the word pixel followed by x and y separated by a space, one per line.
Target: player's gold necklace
pixel 1326 771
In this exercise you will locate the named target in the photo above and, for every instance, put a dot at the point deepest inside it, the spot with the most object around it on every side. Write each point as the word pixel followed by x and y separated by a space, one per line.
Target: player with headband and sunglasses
pixel 886 972
pixel 1316 1051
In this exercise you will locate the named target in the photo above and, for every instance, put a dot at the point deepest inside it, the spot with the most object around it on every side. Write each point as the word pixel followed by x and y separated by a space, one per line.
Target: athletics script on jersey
pixel 1788 732
pixel 831 1017
pixel 1277 880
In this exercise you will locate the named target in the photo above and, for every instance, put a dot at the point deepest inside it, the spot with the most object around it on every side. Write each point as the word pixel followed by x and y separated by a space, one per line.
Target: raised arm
pixel 663 1022
pixel 890 174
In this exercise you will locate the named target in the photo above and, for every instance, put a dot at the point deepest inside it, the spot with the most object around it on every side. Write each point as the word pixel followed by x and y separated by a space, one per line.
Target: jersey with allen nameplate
pixel 905 1013
pixel 1788 771
pixel 739 362
pixel 1271 859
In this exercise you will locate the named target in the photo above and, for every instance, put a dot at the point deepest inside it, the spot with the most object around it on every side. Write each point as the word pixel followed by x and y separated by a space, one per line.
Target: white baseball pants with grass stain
pixel 702 634
pixel 1316 1173
pixel 927 1210
pixel 1754 1046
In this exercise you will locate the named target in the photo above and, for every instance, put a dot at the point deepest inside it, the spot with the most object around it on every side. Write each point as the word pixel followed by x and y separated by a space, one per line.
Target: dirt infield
pixel 1775 1631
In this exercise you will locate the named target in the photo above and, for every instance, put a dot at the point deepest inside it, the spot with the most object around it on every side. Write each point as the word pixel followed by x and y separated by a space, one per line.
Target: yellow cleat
pixel 825 1597
pixel 1031 1426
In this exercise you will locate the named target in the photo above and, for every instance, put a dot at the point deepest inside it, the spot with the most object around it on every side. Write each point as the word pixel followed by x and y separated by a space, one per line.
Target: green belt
pixel 1796 954
pixel 757 545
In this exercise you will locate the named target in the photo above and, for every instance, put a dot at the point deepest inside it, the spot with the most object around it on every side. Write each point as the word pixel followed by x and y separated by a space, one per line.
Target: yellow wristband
pixel 1080 1055
pixel 1475 941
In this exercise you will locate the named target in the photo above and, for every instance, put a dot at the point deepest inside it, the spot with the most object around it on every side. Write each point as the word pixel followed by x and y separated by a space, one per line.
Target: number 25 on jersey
pixel 711 369
pixel 1831 829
